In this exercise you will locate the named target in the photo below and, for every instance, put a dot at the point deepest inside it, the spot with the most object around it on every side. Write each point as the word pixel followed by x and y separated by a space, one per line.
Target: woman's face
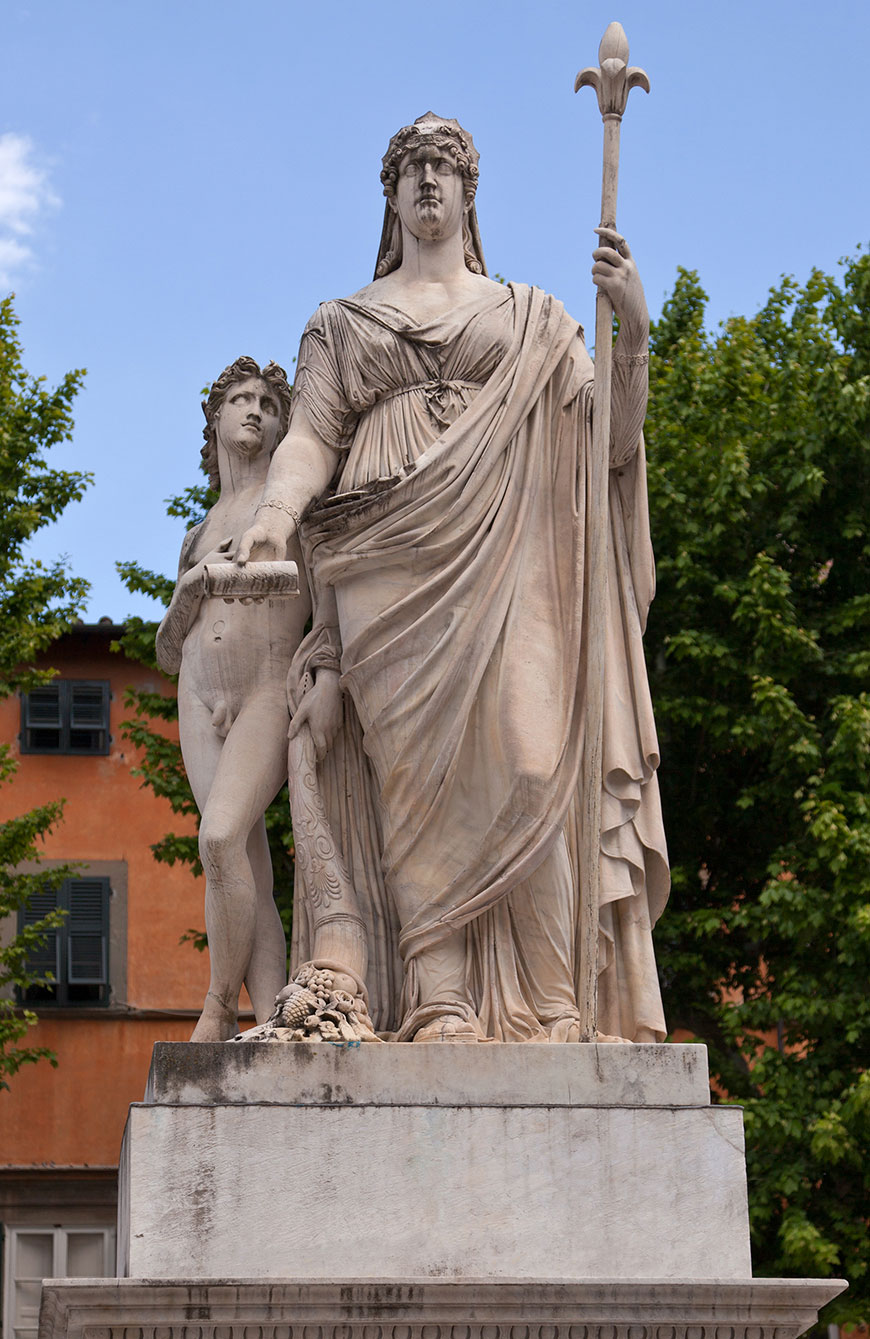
pixel 430 193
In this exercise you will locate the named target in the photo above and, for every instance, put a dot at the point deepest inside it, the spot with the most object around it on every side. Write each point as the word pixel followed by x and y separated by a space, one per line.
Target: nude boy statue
pixel 232 659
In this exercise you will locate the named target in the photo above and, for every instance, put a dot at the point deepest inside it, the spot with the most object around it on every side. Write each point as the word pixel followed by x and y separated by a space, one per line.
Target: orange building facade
pixel 123 980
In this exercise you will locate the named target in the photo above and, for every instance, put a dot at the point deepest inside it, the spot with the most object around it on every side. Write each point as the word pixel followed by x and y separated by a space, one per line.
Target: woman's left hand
pixel 616 274
pixel 321 709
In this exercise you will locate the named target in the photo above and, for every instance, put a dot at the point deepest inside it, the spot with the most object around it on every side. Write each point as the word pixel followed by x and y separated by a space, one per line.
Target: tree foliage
pixel 759 649
pixel 161 767
pixel 38 602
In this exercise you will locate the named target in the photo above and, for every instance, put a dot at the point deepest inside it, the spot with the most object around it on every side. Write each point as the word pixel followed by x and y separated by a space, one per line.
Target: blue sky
pixel 183 182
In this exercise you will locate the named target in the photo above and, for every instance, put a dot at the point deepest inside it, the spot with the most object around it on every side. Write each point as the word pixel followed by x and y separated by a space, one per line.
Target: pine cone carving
pixel 297 1008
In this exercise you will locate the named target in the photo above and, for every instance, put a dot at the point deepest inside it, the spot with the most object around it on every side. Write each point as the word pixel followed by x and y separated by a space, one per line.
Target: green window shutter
pixel 87 931
pixel 87 705
pixel 67 716
pixel 43 961
pixel 88 717
pixel 43 706
pixel 43 719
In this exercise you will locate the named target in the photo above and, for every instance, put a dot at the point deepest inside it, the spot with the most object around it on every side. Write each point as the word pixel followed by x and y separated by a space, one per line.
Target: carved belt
pixel 433 390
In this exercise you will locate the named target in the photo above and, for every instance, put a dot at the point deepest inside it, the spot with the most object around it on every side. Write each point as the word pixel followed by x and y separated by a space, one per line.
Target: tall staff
pixel 612 81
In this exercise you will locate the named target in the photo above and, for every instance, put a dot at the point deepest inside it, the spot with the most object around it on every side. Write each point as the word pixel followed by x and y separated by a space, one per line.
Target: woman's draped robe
pixel 455 543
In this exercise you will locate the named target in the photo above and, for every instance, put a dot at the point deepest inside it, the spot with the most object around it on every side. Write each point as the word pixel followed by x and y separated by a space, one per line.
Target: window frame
pixel 60 1255
pixel 65 967
pixel 66 725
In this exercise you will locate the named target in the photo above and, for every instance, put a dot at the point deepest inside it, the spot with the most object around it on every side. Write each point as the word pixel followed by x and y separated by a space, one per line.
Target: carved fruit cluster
pixel 316 1011
pixel 312 1008
pixel 318 980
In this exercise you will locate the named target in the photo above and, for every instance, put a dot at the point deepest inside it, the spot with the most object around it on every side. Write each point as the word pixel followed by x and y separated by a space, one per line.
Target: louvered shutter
pixel 43 718
pixel 86 706
pixel 87 931
pixel 43 706
pixel 88 716
pixel 44 960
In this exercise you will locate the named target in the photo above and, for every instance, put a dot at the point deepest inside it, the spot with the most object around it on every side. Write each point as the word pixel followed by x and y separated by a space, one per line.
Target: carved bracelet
pixel 631 359
pixel 280 505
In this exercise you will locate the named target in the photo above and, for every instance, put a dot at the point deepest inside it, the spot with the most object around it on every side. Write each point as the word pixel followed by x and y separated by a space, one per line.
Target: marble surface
pixel 586 1075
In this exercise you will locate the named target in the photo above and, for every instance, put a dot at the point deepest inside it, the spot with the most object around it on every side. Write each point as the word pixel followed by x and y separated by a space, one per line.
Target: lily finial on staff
pixel 612 80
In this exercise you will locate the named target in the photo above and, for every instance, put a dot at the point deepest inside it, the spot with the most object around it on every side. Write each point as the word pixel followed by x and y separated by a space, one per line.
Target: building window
pixel 36 1253
pixel 72 965
pixel 66 716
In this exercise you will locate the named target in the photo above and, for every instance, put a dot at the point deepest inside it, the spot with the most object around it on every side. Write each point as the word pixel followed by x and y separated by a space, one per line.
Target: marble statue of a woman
pixel 232 660
pixel 436 469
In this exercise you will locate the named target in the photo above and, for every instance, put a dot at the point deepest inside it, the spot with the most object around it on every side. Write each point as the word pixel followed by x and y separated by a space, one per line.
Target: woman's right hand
pixel 267 539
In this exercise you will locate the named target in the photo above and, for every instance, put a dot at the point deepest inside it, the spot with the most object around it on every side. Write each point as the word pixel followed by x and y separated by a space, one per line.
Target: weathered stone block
pixel 206 1074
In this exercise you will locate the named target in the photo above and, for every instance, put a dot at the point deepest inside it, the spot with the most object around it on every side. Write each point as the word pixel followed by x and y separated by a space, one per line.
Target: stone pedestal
pixel 497 1162
pixel 432 1192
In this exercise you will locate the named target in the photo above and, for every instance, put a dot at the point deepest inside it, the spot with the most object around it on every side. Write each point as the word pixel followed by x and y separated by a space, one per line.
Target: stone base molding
pixel 430 1309
pixel 213 1074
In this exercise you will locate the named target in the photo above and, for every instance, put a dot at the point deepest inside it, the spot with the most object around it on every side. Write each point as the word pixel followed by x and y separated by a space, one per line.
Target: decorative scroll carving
pixel 321 869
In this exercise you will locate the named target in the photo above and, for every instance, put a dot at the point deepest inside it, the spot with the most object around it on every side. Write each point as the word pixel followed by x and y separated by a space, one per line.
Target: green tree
pixel 38 602
pixel 161 767
pixel 759 447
